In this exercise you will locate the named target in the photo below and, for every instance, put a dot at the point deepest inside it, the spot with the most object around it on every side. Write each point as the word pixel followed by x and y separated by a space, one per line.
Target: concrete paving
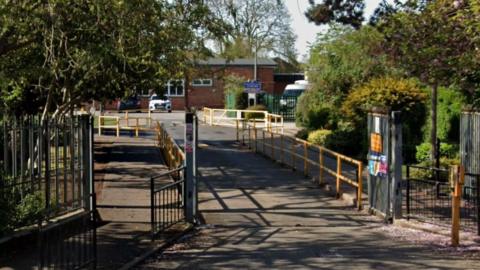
pixel 123 197
pixel 260 215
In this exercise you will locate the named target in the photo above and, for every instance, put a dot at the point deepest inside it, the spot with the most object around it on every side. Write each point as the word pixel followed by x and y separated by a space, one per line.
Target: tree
pixel 431 45
pixel 56 54
pixel 348 12
pixel 340 59
pixel 255 26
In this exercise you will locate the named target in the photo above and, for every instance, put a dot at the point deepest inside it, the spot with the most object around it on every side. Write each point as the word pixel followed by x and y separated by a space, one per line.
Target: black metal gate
pixel 47 170
pixel 281 105
pixel 470 160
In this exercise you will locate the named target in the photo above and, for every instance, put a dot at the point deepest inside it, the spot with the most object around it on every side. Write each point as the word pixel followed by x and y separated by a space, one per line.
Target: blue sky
pixel 305 31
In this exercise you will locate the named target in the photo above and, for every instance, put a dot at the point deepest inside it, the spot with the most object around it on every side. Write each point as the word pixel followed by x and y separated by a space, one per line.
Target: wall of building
pixel 213 96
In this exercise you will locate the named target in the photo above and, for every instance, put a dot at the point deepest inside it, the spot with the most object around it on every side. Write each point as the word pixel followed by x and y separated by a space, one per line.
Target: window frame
pixel 202 84
pixel 169 89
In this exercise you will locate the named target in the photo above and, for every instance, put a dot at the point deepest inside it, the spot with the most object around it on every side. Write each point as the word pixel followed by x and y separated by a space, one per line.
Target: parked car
pixel 130 103
pixel 157 103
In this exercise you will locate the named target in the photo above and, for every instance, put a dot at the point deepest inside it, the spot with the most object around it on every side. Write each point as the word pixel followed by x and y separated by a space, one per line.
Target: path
pixel 123 197
pixel 263 216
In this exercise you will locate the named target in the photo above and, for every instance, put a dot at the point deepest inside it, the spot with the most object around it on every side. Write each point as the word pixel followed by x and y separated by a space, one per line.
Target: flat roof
pixel 238 62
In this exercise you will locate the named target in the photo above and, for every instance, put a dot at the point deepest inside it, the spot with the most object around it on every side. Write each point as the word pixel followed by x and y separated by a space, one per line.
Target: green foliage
pixel 19 208
pixel 312 116
pixel 319 136
pixel 404 95
pixel 447 151
pixel 302 134
pixel 234 86
pixel 255 115
pixel 435 43
pixel 398 94
pixel 61 54
pixel 449 106
pixel 348 140
pixel 342 58
pixel 348 12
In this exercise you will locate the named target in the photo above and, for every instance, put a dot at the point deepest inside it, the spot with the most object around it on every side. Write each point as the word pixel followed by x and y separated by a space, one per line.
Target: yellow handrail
pixel 269 148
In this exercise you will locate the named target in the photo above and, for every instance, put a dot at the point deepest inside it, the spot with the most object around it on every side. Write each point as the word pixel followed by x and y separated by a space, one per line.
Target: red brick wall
pixel 214 97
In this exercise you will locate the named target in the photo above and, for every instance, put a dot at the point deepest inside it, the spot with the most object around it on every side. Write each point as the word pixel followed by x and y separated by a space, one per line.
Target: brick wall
pixel 213 96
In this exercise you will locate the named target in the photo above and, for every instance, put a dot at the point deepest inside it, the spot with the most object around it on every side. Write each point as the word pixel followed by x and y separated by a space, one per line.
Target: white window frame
pixel 169 89
pixel 202 82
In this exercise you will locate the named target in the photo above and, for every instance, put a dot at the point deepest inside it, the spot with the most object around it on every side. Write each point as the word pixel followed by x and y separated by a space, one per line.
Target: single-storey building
pixel 206 87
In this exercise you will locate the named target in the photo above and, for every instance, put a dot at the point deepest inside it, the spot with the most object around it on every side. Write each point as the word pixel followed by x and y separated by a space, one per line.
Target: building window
pixel 202 82
pixel 174 88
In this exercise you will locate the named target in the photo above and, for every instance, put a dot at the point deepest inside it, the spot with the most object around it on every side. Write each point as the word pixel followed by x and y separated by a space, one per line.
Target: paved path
pixel 123 197
pixel 263 216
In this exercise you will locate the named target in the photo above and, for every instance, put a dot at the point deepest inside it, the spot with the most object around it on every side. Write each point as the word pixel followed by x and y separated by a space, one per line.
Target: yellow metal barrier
pixel 125 122
pixel 232 117
pixel 274 145
pixel 171 151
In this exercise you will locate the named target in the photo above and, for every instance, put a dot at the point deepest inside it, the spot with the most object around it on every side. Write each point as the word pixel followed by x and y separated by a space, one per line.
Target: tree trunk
pixel 433 131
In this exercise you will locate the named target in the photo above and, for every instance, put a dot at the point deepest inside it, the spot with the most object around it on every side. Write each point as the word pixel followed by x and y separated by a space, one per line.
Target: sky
pixel 305 31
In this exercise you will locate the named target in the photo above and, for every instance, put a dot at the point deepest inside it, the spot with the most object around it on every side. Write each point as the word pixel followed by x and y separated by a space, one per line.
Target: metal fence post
pixel 152 207
pixel 396 188
pixel 190 181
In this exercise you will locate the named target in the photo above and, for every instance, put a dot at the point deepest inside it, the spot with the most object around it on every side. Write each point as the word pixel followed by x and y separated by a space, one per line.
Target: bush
pixel 319 137
pixel 234 86
pixel 255 115
pixel 404 95
pixel 302 134
pixel 348 140
pixel 447 151
pixel 17 211
pixel 449 107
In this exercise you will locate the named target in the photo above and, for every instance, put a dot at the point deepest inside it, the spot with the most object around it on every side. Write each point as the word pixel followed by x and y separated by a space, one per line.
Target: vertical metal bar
pixel 360 186
pixel 31 155
pixel 47 166
pixel 408 192
pixel 152 206
pixel 271 145
pixel 57 185
pixel 72 157
pixel 477 202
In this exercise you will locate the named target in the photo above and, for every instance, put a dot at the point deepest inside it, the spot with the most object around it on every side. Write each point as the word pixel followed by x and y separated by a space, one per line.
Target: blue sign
pixel 252 87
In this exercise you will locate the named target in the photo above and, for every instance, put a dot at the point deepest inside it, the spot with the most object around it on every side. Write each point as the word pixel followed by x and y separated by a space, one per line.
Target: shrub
pixel 302 134
pixel 234 86
pixel 447 151
pixel 398 94
pixel 319 137
pixel 348 140
pixel 255 115
pixel 19 208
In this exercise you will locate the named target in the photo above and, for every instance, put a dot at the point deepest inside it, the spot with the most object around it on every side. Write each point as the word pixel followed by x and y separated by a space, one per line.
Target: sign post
pixel 190 167
pixel 252 88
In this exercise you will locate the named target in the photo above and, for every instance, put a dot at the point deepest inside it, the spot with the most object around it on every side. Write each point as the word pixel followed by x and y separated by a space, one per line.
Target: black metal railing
pixel 428 197
pixel 70 243
pixel 46 160
pixel 470 209
pixel 167 200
